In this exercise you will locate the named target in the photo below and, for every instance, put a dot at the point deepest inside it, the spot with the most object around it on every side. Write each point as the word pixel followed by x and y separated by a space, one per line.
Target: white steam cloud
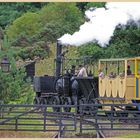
pixel 102 23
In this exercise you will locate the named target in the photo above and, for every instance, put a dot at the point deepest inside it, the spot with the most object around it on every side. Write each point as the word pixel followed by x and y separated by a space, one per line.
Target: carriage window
pixel 113 68
pixel 131 67
pixel 121 68
pixel 103 68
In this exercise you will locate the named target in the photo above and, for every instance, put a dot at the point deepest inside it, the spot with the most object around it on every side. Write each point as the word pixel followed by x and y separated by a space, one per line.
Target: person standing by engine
pixel 82 71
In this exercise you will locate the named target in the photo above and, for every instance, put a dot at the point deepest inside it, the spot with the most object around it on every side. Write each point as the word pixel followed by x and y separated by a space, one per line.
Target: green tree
pixel 86 5
pixel 32 52
pixel 125 42
pixel 24 28
pixel 1 33
pixel 11 11
pixel 12 86
pixel 93 50
pixel 49 24
pixel 95 4
pixel 82 5
pixel 60 18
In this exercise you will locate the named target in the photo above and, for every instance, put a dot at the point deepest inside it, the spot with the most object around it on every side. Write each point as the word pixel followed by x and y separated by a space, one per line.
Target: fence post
pixel 1 109
pixel 60 126
pixel 16 125
pixel 75 117
pixel 45 113
pixel 81 118
pixel 96 125
pixel 112 116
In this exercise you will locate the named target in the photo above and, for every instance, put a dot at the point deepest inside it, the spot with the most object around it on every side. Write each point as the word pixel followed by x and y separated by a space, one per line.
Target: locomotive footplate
pixel 43 95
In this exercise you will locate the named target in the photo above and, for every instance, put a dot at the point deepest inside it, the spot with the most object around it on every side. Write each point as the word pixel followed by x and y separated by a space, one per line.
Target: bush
pixel 32 52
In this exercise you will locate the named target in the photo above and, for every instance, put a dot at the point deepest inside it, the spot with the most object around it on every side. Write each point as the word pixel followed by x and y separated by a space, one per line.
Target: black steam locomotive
pixel 64 89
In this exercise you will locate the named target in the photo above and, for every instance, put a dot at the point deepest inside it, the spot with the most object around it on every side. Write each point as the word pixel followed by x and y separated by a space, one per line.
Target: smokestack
pixel 58 58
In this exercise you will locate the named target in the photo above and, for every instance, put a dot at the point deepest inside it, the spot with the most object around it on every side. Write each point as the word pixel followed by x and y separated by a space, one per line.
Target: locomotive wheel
pixel 82 108
pixel 56 101
pixel 36 101
pixel 67 101
pixel 43 102
pixel 93 109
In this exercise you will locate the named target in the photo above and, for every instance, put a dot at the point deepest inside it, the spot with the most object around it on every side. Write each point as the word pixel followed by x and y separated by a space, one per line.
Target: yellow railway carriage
pixel 121 80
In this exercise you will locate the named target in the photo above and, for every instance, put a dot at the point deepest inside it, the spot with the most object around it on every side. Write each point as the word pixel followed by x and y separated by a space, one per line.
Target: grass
pixel 130 136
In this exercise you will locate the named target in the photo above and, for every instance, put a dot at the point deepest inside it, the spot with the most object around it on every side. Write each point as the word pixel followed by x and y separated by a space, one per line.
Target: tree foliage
pixel 11 11
pixel 13 87
pixel 32 53
pixel 86 5
pixel 91 50
pixel 24 27
pixel 95 4
pixel 124 43
pixel 49 24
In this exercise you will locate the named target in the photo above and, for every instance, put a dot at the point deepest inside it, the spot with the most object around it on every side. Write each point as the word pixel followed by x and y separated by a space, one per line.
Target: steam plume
pixel 102 23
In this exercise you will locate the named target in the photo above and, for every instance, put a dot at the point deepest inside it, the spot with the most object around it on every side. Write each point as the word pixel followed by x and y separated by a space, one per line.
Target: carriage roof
pixel 119 59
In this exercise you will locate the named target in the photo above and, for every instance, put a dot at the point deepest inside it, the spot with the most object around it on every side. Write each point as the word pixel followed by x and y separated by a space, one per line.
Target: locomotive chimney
pixel 58 59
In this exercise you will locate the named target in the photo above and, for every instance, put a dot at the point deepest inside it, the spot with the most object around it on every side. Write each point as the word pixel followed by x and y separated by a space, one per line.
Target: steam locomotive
pixel 65 88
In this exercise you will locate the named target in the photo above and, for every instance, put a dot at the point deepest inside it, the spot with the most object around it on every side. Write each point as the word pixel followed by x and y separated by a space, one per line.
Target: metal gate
pixel 36 118
pixel 120 117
